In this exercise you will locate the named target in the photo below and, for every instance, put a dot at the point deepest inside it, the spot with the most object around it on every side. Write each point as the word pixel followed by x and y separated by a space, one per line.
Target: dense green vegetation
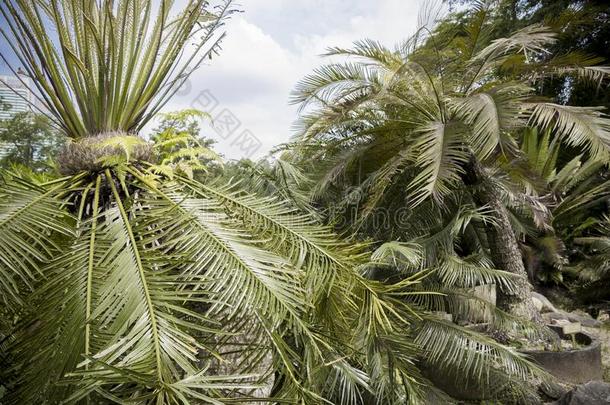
pixel 29 140
pixel 149 271
pixel 438 129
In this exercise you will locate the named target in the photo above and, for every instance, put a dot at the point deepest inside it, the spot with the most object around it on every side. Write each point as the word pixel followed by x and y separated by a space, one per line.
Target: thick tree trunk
pixel 506 255
pixel 504 250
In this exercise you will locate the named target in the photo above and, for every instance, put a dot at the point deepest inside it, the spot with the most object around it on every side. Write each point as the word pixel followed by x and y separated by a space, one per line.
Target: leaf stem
pixel 96 202
pixel 136 253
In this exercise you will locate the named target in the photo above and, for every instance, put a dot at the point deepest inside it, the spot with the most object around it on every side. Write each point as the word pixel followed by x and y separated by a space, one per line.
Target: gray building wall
pixel 18 96
pixel 13 92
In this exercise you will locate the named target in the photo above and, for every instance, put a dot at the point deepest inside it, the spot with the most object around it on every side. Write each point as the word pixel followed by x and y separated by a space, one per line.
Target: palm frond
pixel 31 221
pixel 440 157
pixel 143 337
pixel 371 51
pixel 491 114
pixel 529 40
pixel 445 343
pixel 584 127
pixel 288 231
pixel 399 254
pixel 593 74
pixel 469 272
pixel 335 81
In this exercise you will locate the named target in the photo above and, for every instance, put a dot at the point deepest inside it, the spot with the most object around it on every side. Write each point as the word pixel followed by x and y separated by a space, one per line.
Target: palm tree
pixel 126 280
pixel 435 119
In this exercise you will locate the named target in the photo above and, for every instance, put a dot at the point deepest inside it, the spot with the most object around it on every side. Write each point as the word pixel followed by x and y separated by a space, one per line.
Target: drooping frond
pixel 440 155
pixel 472 271
pixel 593 74
pixel 444 342
pixel 60 341
pixel 491 114
pixel 247 282
pixel 270 269
pixel 399 254
pixel 584 127
pixel 102 344
pixel 529 41
pixel 289 231
pixel 383 330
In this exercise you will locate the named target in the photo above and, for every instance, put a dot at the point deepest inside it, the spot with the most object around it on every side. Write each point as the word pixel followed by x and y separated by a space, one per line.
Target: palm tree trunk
pixel 504 250
pixel 506 255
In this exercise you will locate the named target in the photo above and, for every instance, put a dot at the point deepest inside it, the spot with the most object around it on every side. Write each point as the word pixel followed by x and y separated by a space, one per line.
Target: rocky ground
pixel 594 392
pixel 603 334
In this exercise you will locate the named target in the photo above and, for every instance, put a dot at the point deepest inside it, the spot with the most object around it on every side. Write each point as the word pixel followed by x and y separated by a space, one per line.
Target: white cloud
pixel 273 45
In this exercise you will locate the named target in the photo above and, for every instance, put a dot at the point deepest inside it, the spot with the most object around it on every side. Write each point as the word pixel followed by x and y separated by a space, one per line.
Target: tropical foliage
pixel 581 26
pixel 134 275
pixel 28 139
pixel 179 144
pixel 433 128
pixel 570 193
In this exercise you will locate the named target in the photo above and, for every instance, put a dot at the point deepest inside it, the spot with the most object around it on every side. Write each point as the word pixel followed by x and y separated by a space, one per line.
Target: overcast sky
pixel 269 48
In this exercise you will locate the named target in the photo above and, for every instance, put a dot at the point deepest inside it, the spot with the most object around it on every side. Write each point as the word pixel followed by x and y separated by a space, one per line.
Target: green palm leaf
pixel 30 221
pixel 584 127
pixel 440 156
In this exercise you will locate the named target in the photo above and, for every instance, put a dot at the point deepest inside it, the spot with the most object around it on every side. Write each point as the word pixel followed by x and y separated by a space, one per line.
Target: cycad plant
pixel 126 280
pixel 571 192
pixel 425 125
pixel 447 353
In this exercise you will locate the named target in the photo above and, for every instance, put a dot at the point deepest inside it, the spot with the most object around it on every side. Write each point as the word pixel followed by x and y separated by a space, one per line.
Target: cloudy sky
pixel 269 47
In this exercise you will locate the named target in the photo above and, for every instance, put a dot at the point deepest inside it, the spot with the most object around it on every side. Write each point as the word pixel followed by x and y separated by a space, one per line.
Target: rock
pixel 537 303
pixel 553 317
pixel 553 389
pixel 568 327
pixel 577 316
pixel 560 321
pixel 584 318
pixel 603 316
pixel 572 328
pixel 545 304
pixel 591 393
